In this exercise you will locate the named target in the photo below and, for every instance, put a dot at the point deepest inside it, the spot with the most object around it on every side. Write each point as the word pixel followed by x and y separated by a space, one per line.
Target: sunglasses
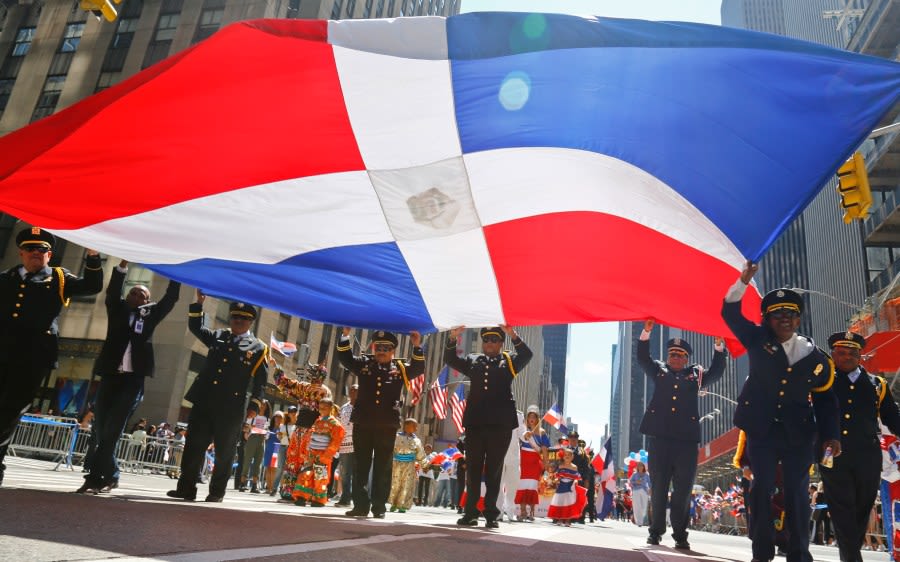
pixel 35 248
pixel 241 318
pixel 784 313
pixel 491 339
pixel 677 354
pixel 384 348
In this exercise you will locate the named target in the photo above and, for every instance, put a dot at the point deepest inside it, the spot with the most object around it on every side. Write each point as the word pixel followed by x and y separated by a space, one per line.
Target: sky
pixel 589 363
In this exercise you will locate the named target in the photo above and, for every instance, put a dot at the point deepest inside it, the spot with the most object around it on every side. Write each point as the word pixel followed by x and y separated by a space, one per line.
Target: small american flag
pixel 458 404
pixel 438 392
pixel 416 386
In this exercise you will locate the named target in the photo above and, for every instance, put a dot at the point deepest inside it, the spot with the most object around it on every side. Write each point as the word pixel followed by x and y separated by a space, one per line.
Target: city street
pixel 43 520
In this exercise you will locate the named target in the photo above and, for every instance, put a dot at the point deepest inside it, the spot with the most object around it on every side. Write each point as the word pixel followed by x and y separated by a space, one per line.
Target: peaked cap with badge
pixel 781 299
pixel 846 339
pixel 35 235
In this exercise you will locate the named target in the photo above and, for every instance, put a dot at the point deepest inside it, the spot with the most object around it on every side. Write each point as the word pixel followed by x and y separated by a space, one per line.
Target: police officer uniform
pixel 489 418
pixel 852 483
pixel 672 425
pixel 376 419
pixel 219 398
pixel 780 420
pixel 582 461
pixel 30 304
pixel 125 359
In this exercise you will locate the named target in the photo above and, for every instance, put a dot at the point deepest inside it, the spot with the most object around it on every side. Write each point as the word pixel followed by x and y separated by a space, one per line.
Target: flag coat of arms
pixel 408 173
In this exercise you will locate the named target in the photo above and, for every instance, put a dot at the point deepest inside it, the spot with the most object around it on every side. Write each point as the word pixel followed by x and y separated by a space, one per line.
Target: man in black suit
pixel 235 361
pixel 32 295
pixel 125 359
pixel 786 399
pixel 672 426
pixel 490 414
pixel 852 482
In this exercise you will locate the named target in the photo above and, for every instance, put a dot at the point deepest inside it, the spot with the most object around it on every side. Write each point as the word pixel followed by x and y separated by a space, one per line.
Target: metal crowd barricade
pixel 46 436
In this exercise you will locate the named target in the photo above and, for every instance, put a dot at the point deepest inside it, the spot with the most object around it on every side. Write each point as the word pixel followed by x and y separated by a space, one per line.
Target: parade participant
pixel 533 450
pixel 569 498
pixel 376 415
pixel 288 430
pixel 346 451
pixel 408 450
pixel 426 476
pixel 308 393
pixel 852 482
pixel 509 480
pixel 775 410
pixel 235 360
pixel 490 413
pixel 672 425
pixel 32 295
pixel 125 359
pixel 319 444
pixel 581 459
pixel 640 492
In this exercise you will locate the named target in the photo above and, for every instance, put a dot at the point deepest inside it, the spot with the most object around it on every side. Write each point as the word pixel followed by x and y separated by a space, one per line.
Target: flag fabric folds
pixel 438 393
pixel 443 157
pixel 607 479
pixel 416 386
pixel 458 405
pixel 554 416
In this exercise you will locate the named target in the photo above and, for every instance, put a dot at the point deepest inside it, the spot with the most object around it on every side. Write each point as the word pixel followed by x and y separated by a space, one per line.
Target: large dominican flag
pixel 423 173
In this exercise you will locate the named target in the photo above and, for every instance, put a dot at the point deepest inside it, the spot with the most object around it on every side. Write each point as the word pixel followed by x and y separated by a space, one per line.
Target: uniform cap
pixel 242 309
pixel 35 235
pixel 493 331
pixel 384 338
pixel 846 339
pixel 679 344
pixel 780 299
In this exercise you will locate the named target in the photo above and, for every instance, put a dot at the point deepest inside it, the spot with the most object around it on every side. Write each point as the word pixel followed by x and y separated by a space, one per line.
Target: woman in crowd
pixel 273 446
pixel 533 448
pixel 640 493
pixel 254 449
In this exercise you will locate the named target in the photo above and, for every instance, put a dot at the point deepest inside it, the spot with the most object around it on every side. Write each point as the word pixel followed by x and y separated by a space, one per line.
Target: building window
pixel 49 97
pixel 303 332
pixel 351 7
pixel 210 22
pixel 114 61
pixel 284 326
pixel 72 38
pixel 22 45
pixel 336 9
pixel 390 10
pixel 367 11
pixel 379 10
pixel 6 87
pixel 162 39
pixel 106 80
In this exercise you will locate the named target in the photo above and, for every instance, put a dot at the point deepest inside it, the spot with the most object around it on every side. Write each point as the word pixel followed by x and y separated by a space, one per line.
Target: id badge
pixel 139 326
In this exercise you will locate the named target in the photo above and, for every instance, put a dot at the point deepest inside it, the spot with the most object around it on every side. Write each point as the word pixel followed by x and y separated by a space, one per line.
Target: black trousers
pixel 373 448
pixel 117 398
pixel 423 490
pixel 486 447
pixel 795 460
pixel 204 426
pixel 851 486
pixel 19 382
pixel 591 508
pixel 671 461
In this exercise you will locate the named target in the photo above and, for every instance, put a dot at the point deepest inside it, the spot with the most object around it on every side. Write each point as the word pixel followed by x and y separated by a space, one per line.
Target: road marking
pixel 524 537
pixel 281 550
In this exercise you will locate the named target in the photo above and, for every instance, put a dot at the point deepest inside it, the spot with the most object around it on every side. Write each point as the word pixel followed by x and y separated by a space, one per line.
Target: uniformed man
pixel 31 297
pixel 786 399
pixel 376 414
pixel 582 460
pixel 236 359
pixel 672 426
pixel 125 359
pixel 490 414
pixel 852 482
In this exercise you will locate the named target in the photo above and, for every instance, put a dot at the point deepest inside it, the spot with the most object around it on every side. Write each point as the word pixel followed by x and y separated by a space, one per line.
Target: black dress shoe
pixel 653 539
pixel 466 522
pixel 357 513
pixel 491 525
pixel 214 499
pixel 109 486
pixel 89 488
pixel 683 544
pixel 379 515
pixel 181 495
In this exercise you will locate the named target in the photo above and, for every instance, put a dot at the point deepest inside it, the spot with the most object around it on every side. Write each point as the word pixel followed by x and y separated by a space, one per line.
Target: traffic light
pixel 100 8
pixel 856 196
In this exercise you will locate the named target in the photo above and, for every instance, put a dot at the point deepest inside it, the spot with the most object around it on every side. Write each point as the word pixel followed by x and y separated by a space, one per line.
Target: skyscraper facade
pixel 556 347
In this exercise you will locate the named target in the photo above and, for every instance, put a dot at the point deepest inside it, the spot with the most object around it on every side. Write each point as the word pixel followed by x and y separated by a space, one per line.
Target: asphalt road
pixel 41 519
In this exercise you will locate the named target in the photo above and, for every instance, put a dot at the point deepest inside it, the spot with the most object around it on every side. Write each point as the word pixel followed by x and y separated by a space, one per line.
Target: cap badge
pixel 36 230
pixel 849 335
pixel 240 305
pixel 779 294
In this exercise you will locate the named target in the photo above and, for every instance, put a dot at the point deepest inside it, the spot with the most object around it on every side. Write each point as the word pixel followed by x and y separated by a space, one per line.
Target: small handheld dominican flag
pixel 553 416
pixel 285 348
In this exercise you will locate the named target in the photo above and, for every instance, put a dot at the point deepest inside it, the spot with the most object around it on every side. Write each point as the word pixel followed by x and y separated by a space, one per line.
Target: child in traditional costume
pixel 318 446
pixel 569 499
pixel 407 451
